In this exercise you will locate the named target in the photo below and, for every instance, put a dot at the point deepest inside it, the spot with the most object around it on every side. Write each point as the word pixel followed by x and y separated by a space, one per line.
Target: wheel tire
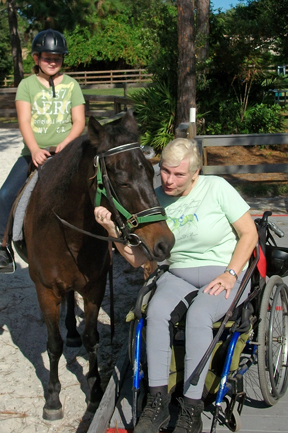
pixel 234 421
pixel 273 341
pixel 234 424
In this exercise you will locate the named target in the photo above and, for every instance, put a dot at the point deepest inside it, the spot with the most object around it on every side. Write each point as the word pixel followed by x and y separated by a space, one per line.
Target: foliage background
pixel 233 82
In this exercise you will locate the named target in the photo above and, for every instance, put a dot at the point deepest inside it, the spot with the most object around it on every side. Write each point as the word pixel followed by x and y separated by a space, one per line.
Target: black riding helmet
pixel 49 41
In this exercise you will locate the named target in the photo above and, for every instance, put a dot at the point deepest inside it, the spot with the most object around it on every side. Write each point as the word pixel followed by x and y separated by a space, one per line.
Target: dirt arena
pixel 24 366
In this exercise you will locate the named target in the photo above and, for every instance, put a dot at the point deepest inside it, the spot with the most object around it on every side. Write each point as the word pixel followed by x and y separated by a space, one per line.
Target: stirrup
pixel 11 267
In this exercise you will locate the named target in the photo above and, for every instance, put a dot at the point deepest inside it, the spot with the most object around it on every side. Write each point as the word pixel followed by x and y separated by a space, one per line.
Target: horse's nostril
pixel 161 251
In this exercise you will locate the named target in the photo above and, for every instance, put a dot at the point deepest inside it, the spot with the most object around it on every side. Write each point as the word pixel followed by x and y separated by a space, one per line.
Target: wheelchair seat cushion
pixel 277 261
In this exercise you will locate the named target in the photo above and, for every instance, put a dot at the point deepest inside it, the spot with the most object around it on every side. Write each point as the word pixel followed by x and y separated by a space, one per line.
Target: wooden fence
pixel 205 141
pixel 92 104
pixel 120 104
pixel 94 78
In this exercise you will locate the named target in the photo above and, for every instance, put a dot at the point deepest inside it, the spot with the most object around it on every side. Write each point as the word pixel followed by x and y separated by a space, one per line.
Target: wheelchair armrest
pixel 148 286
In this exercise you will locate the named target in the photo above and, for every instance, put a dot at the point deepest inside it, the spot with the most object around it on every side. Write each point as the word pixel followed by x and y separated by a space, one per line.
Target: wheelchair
pixel 254 333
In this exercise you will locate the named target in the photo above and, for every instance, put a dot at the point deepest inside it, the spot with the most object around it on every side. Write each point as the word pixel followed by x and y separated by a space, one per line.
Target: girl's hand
pixel 39 156
pixel 225 281
pixel 60 147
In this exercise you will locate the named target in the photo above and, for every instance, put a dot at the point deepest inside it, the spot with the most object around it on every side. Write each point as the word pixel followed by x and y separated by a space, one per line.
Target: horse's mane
pixel 57 173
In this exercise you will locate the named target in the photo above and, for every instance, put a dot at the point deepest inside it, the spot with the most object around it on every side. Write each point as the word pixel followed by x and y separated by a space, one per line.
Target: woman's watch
pixel 232 272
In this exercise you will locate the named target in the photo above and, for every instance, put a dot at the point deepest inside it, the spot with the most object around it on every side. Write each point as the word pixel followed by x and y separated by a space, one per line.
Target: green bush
pixel 224 120
pixel 155 109
pixel 259 119
pixel 263 119
pixel 6 63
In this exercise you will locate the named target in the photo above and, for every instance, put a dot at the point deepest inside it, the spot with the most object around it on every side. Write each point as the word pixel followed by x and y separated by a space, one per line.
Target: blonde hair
pixel 179 149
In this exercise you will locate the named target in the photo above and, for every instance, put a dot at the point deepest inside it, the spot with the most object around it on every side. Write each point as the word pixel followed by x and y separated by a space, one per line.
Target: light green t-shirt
pixel 201 223
pixel 51 119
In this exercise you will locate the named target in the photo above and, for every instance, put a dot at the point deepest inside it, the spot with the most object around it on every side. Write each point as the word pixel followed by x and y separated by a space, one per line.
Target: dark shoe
pixel 4 257
pixel 155 414
pixel 189 420
pixel 7 264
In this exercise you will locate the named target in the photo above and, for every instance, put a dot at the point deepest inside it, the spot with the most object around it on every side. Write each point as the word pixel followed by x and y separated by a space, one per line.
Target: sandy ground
pixel 24 366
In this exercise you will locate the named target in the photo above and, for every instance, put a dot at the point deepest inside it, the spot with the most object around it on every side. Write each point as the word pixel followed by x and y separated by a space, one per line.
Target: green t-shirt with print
pixel 201 223
pixel 51 119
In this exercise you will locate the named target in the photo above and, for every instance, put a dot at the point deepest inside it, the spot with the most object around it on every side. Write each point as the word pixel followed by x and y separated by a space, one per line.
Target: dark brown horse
pixel 62 260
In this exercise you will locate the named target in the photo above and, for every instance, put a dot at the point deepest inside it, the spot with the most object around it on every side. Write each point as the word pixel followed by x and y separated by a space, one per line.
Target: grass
pixel 112 92
pixel 9 122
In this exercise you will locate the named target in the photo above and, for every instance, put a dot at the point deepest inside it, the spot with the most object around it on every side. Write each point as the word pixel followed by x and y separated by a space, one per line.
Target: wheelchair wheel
pixel 273 341
pixel 232 419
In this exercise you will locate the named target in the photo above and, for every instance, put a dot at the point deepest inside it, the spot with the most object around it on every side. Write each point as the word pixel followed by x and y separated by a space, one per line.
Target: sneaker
pixel 155 414
pixel 189 420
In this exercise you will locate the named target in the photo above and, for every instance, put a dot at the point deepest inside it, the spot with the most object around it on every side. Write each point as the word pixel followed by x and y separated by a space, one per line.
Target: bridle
pixel 105 188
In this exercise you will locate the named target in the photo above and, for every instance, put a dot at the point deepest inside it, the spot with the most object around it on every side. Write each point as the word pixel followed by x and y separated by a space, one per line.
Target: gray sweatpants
pixel 174 291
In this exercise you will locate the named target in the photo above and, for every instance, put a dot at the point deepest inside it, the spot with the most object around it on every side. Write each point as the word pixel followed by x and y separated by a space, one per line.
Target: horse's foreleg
pixel 73 338
pixel 91 343
pixel 50 307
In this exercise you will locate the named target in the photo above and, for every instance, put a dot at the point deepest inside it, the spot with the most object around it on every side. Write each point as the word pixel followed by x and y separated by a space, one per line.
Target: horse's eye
pixel 122 184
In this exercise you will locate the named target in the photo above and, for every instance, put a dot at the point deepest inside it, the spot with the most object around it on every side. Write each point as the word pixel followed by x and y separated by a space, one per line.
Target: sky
pixel 224 4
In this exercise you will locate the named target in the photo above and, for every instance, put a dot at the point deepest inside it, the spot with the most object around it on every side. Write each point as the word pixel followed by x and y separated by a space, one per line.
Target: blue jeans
pixel 9 190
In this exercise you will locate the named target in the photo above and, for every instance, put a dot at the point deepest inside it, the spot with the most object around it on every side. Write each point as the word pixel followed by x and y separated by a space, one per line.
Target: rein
pixel 104 188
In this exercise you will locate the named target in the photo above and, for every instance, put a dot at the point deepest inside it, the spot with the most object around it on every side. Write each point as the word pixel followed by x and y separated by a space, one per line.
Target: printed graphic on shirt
pixel 47 111
pixel 177 223
pixel 187 220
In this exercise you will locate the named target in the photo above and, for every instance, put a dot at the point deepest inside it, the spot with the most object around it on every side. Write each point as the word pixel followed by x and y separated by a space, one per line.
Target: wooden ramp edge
pixel 101 420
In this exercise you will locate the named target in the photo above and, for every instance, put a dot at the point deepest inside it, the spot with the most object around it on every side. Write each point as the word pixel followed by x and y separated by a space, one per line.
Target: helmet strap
pixel 51 83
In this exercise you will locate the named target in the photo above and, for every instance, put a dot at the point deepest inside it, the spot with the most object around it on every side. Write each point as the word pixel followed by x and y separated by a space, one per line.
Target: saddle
pixel 14 230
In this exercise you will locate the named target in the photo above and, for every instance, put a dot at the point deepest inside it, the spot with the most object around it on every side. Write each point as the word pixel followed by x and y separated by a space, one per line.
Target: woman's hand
pixel 248 237
pixel 134 256
pixel 225 281
pixel 103 217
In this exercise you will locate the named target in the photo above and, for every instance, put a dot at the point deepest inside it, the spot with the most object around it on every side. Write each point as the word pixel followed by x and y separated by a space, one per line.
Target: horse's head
pixel 125 181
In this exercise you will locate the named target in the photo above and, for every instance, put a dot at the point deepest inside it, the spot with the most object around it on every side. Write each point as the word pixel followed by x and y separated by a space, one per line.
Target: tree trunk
pixel 202 37
pixel 186 88
pixel 15 42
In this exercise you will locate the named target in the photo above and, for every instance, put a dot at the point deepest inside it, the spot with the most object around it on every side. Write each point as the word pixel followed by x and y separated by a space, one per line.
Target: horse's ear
pixel 96 132
pixel 129 122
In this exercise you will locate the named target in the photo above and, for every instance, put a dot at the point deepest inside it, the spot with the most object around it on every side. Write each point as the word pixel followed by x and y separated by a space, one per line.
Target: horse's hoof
pixel 52 414
pixel 74 342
